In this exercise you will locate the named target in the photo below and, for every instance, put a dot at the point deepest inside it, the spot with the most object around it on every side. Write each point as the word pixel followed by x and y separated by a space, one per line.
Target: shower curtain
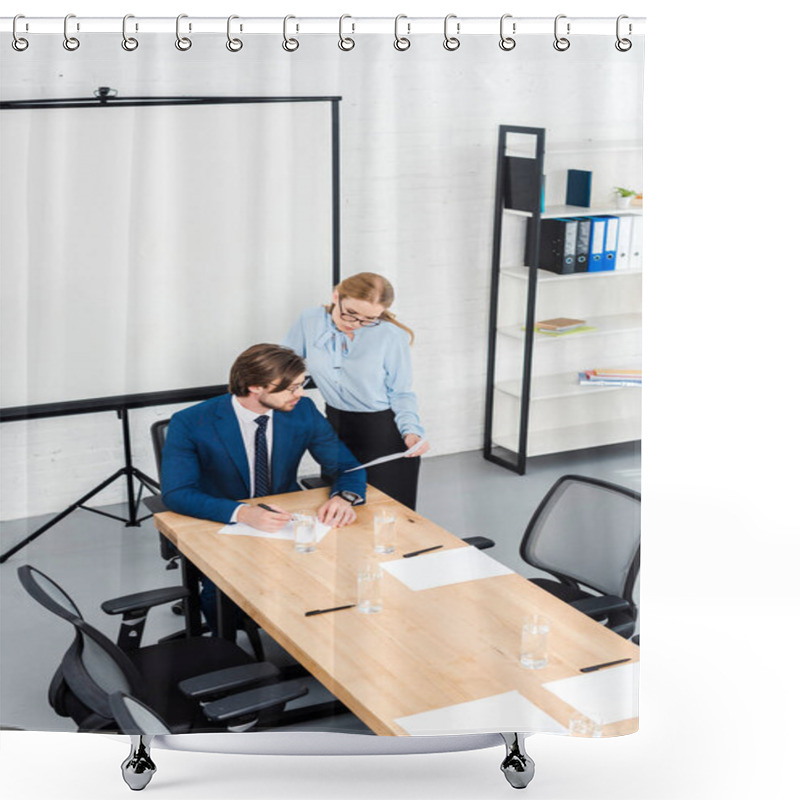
pixel 167 205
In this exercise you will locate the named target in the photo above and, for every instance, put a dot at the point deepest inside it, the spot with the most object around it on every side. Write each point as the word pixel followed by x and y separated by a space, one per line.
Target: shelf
pixel 577 437
pixel 551 212
pixel 551 387
pixel 604 326
pixel 523 273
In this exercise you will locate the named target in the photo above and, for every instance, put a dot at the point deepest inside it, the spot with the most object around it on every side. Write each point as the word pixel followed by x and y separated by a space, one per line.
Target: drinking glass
pixel 533 652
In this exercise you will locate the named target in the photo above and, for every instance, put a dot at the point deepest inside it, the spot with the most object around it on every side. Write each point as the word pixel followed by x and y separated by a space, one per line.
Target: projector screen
pixel 145 247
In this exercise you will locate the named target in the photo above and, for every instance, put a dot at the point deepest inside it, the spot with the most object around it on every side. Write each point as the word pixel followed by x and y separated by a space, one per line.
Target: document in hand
pixel 393 457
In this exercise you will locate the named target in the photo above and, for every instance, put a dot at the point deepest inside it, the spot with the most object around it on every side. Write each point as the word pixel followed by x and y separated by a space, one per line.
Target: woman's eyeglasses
pixel 365 323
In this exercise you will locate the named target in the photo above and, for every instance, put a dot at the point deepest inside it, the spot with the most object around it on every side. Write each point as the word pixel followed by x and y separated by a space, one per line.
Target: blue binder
pixel 611 241
pixel 597 244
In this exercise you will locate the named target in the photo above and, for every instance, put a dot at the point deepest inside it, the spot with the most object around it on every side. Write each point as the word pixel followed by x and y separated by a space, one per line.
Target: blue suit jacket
pixel 204 464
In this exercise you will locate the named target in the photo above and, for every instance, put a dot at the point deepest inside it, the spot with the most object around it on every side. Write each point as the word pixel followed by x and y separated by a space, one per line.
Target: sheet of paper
pixel 606 696
pixel 499 713
pixel 286 532
pixel 444 567
pixel 393 457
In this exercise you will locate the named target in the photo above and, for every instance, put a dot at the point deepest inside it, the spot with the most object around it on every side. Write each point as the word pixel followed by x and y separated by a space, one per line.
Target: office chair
pixel 185 681
pixel 586 533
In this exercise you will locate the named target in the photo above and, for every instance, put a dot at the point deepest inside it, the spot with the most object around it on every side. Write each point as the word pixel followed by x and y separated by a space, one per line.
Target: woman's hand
pixel 410 440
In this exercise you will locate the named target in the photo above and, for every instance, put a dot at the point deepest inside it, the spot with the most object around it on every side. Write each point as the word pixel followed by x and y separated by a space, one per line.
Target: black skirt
pixel 372 434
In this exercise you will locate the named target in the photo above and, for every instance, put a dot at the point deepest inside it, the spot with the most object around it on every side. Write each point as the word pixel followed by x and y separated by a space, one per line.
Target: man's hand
pixel 263 520
pixel 337 512
pixel 410 440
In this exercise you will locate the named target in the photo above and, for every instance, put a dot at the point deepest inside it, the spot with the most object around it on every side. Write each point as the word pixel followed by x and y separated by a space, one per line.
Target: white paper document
pixel 286 532
pixel 608 695
pixel 392 457
pixel 499 713
pixel 444 567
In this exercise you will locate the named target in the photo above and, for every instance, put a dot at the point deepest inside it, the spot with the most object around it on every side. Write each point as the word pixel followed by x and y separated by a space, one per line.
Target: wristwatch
pixel 351 497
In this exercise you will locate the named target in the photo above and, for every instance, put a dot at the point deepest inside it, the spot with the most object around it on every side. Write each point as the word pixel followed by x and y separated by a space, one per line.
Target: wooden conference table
pixel 426 649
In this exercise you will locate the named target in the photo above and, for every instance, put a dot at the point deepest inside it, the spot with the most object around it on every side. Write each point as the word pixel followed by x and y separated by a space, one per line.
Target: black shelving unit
pixel 510 459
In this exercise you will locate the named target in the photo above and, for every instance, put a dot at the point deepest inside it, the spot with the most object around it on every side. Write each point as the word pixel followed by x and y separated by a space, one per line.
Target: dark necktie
pixel 263 482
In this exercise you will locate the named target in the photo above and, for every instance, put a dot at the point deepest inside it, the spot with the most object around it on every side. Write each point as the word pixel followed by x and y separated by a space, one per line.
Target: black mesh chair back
pixel 586 532
pixel 135 718
pixel 92 668
pixel 158 435
pixel 48 593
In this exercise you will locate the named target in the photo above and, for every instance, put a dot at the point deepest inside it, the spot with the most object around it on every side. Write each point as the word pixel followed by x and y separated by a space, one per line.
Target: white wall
pixel 419 132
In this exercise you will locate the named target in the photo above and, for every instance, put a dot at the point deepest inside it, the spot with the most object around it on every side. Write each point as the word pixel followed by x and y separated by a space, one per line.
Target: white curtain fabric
pixel 144 248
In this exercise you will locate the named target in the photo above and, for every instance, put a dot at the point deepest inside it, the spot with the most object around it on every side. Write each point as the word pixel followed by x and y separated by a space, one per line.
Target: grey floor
pixel 94 558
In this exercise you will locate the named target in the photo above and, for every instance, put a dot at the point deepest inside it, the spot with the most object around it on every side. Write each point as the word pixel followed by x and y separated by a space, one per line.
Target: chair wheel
pixel 178 609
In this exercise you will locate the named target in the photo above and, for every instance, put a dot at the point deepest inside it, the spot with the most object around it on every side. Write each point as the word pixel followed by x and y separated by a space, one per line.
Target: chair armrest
pixel 481 542
pixel 141 601
pixel 226 680
pixel 314 482
pixel 261 699
pixel 601 606
pixel 154 503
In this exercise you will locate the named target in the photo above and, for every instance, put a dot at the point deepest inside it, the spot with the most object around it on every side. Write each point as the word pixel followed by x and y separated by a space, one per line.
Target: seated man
pixel 249 444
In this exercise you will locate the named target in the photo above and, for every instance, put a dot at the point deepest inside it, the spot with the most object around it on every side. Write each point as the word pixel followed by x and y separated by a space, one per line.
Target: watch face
pixel 349 496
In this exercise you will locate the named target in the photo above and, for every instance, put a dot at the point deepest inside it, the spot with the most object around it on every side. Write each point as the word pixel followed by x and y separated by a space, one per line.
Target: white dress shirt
pixel 248 427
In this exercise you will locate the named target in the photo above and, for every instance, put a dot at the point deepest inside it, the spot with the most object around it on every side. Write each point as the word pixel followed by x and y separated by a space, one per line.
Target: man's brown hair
pixel 263 364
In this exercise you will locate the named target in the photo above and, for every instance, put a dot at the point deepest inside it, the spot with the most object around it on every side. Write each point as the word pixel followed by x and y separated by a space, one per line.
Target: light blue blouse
pixel 371 372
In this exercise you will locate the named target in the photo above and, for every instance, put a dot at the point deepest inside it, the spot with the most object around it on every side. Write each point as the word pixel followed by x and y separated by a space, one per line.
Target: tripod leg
pixel 517 766
pixel 138 768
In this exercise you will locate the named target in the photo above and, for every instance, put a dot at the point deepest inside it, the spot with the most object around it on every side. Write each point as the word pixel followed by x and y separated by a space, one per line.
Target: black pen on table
pixel 326 610
pixel 420 552
pixel 595 667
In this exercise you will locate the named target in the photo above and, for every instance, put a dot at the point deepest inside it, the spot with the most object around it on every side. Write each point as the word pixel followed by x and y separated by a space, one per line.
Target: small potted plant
pixel 624 196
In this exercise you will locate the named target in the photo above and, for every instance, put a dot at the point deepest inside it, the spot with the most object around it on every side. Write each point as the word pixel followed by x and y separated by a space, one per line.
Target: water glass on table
pixel 385 525
pixel 533 650
pixel 305 531
pixel 369 586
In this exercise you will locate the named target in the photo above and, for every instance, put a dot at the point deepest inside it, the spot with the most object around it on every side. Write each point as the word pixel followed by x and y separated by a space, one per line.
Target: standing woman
pixel 359 356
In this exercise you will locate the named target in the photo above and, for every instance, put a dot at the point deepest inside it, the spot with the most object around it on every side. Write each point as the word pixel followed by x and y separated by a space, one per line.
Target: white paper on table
pixel 499 713
pixel 457 565
pixel 286 532
pixel 608 695
pixel 393 457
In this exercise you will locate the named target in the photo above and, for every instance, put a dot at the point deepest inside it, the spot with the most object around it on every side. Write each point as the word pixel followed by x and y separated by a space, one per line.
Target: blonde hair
pixel 372 288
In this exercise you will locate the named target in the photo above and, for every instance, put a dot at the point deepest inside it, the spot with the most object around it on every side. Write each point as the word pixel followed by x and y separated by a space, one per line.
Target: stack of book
pixel 560 325
pixel 610 377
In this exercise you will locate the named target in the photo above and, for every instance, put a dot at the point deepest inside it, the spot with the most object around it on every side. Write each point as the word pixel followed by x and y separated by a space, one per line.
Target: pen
pixel 270 508
pixel 607 664
pixel 326 610
pixel 420 552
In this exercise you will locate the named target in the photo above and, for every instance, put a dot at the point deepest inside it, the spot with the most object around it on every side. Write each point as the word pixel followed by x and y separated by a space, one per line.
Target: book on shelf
pixel 559 324
pixel 610 377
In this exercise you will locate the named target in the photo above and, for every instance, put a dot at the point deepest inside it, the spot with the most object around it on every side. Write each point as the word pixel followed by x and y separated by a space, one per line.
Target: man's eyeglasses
pixel 296 388
pixel 365 323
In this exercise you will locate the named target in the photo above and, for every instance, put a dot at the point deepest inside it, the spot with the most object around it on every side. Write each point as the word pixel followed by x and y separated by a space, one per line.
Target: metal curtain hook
pixel 182 42
pixel 623 45
pixel 451 42
pixel 289 44
pixel 18 43
pixel 70 42
pixel 561 43
pixel 128 42
pixel 507 42
pixel 401 42
pixel 346 42
pixel 234 45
